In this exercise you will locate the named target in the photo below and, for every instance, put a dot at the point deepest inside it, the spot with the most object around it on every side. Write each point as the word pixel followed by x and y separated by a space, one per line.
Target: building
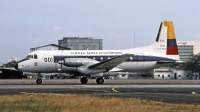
pixel 10 59
pixel 136 75
pixel 171 73
pixel 164 73
pixel 188 48
pixel 49 47
pixel 7 71
pixel 83 43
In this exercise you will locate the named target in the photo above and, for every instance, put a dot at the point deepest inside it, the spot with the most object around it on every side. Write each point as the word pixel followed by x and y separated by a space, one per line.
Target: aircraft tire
pixel 39 81
pixel 84 80
pixel 100 80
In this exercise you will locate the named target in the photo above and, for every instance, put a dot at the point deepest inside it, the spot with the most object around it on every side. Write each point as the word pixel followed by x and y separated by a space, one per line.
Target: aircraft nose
pixel 16 66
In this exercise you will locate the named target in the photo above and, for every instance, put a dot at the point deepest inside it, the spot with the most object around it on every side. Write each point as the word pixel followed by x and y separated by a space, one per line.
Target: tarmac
pixel 171 91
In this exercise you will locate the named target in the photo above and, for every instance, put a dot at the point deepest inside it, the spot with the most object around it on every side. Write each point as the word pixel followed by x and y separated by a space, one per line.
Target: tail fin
pixel 166 41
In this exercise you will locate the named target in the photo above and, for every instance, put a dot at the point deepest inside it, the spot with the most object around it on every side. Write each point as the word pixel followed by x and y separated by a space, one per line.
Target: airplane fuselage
pixel 47 61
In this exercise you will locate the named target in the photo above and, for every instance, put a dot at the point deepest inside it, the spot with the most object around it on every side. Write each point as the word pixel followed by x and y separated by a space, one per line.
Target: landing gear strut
pixel 84 80
pixel 39 81
pixel 100 80
pixel 39 78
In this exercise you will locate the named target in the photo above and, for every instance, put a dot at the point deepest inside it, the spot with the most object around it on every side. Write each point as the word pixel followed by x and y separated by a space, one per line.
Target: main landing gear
pixel 39 81
pixel 100 80
pixel 84 80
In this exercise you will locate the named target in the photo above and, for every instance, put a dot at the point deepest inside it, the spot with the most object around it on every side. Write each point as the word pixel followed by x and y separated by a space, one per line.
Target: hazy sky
pixel 25 24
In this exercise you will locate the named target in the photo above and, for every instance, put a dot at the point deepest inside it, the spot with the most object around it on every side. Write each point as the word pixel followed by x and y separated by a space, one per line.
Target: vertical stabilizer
pixel 166 40
pixel 165 43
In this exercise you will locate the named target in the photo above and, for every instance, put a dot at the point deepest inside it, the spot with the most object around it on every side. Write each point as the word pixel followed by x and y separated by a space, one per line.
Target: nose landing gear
pixel 39 78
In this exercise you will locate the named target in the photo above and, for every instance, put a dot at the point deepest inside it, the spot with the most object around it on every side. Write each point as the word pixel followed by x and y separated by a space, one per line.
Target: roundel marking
pixel 35 64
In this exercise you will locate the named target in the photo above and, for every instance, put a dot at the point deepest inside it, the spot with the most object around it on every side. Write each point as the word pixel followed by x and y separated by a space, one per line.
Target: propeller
pixel 61 62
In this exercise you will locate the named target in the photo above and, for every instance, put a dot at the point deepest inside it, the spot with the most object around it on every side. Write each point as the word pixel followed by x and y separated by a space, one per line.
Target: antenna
pixel 134 41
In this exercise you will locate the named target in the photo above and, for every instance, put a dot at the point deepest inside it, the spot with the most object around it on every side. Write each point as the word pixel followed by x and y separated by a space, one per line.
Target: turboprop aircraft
pixel 105 62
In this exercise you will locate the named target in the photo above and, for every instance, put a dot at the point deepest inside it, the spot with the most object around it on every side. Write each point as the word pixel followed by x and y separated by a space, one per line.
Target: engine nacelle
pixel 105 74
pixel 76 62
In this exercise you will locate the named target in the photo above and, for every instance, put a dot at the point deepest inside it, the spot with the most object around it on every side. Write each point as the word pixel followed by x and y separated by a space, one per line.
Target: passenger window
pixel 35 56
pixel 32 56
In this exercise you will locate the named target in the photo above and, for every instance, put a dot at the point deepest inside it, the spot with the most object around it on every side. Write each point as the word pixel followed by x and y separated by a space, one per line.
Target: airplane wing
pixel 111 63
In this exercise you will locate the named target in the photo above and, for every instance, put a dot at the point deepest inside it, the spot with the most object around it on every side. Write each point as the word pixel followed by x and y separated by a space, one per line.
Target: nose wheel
pixel 39 81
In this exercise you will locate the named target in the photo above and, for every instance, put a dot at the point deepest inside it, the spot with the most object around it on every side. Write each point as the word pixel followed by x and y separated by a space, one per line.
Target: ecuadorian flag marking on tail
pixel 172 48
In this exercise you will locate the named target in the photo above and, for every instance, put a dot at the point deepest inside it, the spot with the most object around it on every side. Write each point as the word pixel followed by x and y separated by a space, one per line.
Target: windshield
pixel 29 56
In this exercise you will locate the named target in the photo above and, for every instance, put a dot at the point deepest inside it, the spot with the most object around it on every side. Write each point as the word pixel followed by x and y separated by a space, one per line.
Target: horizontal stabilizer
pixel 111 63
pixel 163 62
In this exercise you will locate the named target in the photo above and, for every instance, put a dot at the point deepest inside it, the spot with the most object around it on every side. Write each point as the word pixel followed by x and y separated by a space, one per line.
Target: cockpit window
pixel 28 57
pixel 35 56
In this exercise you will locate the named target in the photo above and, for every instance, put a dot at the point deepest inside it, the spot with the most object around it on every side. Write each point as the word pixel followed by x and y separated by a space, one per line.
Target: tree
pixel 193 64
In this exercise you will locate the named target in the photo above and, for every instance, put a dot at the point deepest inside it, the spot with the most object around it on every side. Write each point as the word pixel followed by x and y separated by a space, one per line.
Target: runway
pixel 185 91
pixel 93 81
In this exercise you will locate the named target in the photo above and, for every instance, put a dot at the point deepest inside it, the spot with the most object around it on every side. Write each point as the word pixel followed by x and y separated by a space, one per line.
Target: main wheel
pixel 100 80
pixel 84 80
pixel 39 81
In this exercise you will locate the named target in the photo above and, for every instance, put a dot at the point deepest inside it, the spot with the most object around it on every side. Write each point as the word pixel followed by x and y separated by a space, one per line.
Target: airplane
pixel 84 63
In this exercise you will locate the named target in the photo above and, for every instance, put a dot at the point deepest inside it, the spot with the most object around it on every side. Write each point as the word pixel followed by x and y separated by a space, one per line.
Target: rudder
pixel 172 48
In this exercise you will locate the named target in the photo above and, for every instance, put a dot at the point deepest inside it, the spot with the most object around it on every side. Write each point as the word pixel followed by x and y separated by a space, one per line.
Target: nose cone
pixel 16 66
